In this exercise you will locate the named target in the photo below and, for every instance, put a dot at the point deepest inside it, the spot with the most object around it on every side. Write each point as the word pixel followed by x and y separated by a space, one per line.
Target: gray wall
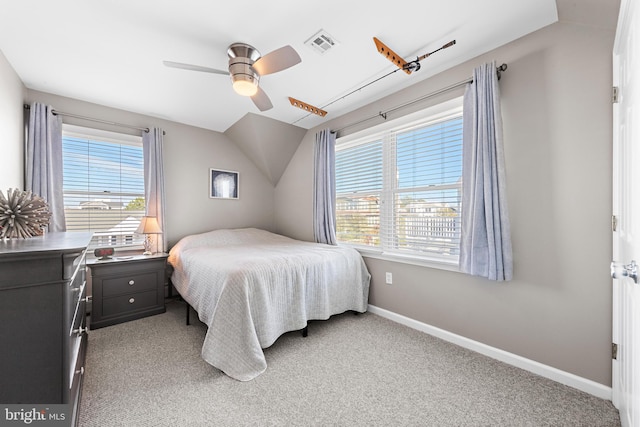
pixel 189 152
pixel 557 128
pixel 11 127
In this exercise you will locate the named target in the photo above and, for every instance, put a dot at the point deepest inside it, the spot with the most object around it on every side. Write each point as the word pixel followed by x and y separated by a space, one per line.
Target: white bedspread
pixel 250 286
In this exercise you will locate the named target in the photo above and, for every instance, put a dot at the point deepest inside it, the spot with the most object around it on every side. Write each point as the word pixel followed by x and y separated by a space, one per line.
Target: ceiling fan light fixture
pixel 244 85
pixel 244 77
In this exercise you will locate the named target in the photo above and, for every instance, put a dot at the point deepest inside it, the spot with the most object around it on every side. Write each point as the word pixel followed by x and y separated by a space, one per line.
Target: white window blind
pixel 103 185
pixel 359 178
pixel 398 190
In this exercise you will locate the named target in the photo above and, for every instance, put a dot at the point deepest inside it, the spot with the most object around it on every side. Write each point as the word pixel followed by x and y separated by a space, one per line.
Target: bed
pixel 249 286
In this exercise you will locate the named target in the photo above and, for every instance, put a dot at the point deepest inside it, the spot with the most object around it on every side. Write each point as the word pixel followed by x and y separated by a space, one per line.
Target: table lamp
pixel 148 226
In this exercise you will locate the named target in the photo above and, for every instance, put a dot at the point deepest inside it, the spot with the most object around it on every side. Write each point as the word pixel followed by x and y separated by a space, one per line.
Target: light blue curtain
pixel 485 247
pixel 43 161
pixel 154 181
pixel 324 188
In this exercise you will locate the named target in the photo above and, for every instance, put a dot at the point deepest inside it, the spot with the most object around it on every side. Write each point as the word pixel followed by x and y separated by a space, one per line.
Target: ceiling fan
pixel 246 66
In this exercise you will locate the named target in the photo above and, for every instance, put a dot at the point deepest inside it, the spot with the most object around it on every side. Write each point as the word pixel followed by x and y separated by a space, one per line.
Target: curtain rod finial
pixel 500 69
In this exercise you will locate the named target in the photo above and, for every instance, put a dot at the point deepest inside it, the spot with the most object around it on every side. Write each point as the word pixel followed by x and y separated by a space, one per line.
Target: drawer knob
pixel 80 371
pixel 132 300
pixel 132 282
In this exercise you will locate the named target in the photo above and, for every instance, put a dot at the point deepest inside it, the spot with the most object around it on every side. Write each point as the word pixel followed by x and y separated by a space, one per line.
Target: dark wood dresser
pixel 43 319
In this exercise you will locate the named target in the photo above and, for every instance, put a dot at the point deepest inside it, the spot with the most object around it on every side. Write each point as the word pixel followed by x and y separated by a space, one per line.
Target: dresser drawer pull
pixel 80 371
pixel 81 331
pixel 132 300
pixel 87 298
pixel 132 282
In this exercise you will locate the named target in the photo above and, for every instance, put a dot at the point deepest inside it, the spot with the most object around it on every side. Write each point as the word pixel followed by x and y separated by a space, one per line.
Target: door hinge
pixel 614 95
pixel 614 223
pixel 614 351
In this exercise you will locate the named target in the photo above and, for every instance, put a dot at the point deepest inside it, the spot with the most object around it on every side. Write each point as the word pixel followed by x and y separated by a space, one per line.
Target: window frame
pixel 430 115
pixel 122 139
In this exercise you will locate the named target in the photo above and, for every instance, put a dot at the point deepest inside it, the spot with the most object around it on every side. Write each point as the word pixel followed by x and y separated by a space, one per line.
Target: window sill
pixel 404 259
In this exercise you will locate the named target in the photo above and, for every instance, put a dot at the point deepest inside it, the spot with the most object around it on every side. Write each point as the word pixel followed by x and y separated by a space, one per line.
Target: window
pixel 398 186
pixel 103 185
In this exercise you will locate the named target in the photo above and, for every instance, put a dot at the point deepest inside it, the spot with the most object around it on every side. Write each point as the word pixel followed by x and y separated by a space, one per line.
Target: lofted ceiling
pixel 111 52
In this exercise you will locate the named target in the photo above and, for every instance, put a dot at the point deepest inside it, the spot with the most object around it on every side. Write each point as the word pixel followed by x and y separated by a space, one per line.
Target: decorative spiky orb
pixel 22 214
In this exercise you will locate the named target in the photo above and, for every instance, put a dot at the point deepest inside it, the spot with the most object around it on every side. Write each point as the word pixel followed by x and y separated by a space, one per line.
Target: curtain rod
pixel 91 119
pixel 383 114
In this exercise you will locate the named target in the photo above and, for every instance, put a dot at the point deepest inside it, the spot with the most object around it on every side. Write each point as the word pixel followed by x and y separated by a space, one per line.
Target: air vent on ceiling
pixel 321 41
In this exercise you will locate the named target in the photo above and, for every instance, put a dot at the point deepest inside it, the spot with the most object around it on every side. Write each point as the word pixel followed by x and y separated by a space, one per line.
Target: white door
pixel 626 210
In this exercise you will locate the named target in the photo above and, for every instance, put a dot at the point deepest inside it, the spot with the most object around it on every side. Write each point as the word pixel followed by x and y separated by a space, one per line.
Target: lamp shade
pixel 149 225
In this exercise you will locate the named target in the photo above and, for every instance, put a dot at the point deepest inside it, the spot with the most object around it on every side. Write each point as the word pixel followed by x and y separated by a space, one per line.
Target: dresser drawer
pixel 128 284
pixel 78 315
pixel 76 287
pixel 77 344
pixel 77 374
pixel 128 303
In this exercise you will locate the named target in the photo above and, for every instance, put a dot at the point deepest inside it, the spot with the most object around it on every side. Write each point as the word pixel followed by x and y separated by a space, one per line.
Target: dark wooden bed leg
pixel 188 310
pixel 305 331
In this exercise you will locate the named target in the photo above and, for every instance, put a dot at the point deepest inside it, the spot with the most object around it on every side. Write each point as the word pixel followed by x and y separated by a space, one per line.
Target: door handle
pixel 619 270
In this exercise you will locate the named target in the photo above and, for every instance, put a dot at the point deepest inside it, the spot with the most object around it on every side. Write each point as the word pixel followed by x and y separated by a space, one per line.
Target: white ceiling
pixel 111 52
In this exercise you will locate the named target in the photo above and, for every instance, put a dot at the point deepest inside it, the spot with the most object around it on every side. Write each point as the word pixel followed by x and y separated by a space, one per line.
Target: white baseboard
pixel 566 378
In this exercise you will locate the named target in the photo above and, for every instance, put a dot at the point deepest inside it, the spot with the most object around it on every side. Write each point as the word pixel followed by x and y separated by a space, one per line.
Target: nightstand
pixel 126 288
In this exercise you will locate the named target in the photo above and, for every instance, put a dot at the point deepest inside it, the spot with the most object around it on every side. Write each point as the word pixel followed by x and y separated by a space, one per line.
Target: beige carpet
pixel 351 370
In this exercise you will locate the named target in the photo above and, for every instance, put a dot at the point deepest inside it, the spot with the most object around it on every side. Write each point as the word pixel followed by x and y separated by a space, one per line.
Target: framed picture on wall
pixel 223 184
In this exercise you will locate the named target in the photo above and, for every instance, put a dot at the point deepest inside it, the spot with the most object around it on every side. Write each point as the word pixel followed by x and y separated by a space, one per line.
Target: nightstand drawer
pixel 128 303
pixel 130 283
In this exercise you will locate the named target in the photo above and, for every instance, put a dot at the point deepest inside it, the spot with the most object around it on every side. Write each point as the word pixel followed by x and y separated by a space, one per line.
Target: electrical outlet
pixel 389 278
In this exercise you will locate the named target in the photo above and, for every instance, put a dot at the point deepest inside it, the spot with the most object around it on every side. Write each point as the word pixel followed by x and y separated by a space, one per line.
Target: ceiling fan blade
pixel 277 60
pixel 261 100
pixel 192 67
